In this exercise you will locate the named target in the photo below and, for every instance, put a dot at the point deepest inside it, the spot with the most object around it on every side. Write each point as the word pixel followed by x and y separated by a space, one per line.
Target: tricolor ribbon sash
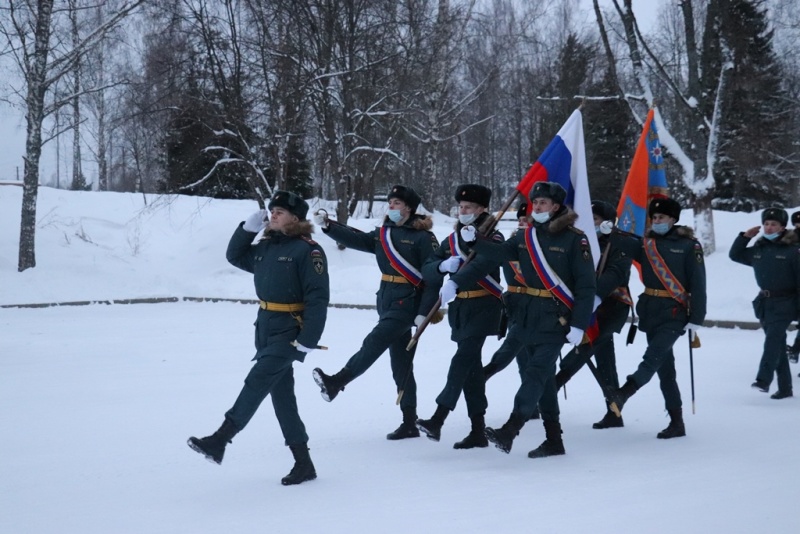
pixel 400 264
pixel 548 276
pixel 487 282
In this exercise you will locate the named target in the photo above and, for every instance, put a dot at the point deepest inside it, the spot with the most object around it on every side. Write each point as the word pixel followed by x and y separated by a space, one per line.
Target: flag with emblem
pixel 646 180
pixel 564 162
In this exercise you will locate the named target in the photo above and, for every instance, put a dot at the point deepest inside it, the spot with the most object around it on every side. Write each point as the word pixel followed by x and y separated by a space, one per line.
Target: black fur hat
pixel 796 217
pixel 407 195
pixel 474 193
pixel 665 206
pixel 775 214
pixel 550 190
pixel 289 201
pixel 523 210
pixel 604 210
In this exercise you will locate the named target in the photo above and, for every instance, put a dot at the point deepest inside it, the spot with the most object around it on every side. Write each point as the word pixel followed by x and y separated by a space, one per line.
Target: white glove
pixel 450 265
pixel 448 291
pixel 693 329
pixel 575 335
pixel 301 348
pixel 468 233
pixel 597 302
pixel 256 222
pixel 418 320
pixel 320 219
pixel 606 227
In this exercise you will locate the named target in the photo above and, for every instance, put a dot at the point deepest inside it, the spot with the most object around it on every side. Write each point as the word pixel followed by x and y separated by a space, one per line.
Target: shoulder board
pixel 576 230
pixel 308 239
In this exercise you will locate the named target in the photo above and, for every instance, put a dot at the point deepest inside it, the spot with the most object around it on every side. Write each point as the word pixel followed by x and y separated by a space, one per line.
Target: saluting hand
pixel 256 222
pixel 751 232
pixel 320 219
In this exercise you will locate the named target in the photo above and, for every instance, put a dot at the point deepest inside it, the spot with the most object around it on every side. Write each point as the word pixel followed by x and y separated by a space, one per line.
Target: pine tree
pixel 750 174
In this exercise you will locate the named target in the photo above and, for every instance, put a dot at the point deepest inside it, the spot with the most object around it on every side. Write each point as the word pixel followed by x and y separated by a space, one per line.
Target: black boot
pixel 675 429
pixel 213 446
pixel 609 420
pixel 330 386
pixel 408 428
pixel 793 352
pixel 476 438
pixel 781 394
pixel 620 396
pixel 432 428
pixel 303 469
pixel 552 445
pixel 503 437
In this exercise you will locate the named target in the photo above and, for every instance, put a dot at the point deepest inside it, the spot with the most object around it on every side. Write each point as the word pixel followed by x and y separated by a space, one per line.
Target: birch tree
pixel 27 27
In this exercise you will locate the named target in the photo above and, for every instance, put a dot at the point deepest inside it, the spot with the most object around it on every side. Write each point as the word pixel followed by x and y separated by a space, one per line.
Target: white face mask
pixel 467 218
pixel 541 217
pixel 660 228
pixel 395 215
pixel 772 236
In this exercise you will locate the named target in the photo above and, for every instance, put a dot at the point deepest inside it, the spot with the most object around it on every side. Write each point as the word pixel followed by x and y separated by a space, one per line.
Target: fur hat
pixel 796 217
pixel 523 210
pixel 407 195
pixel 604 210
pixel 474 193
pixel 775 214
pixel 289 201
pixel 550 190
pixel 665 206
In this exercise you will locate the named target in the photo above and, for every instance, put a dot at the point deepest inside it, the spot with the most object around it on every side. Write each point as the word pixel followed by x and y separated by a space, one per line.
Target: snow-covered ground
pixel 96 403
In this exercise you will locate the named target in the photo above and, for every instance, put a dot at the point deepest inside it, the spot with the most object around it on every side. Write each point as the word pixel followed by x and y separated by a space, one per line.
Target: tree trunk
pixel 34 100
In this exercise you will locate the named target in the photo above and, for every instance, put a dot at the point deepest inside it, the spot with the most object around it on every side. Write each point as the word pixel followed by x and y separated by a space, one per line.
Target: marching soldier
pixel 614 303
pixel 674 300
pixel 291 279
pixel 774 258
pixel 556 263
pixel 401 246
pixel 474 315
pixel 793 350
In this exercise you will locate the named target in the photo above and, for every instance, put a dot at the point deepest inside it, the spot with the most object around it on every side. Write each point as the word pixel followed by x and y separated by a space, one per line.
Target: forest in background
pixel 342 98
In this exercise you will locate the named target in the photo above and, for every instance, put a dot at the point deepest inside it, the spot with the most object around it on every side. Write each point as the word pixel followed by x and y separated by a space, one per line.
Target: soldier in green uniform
pixel 613 302
pixel 674 300
pixel 291 280
pixel 557 307
pixel 513 347
pixel 776 263
pixel 401 246
pixel 474 315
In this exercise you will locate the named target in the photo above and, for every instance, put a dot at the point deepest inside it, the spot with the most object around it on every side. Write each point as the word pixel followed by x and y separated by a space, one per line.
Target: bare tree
pixel 27 27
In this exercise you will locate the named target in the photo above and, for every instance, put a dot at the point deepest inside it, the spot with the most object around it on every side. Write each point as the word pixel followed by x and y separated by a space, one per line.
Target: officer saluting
pixel 291 279
pixel 775 262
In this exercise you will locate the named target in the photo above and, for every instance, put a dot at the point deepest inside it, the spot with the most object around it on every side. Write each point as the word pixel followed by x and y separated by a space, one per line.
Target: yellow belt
pixel 472 294
pixel 532 291
pixel 393 279
pixel 657 292
pixel 280 307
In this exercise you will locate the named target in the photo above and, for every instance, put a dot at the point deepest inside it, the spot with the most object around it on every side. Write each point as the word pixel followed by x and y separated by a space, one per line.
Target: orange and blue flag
pixel 646 180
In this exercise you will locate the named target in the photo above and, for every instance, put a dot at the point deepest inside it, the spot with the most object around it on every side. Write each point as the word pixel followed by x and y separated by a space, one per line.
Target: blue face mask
pixel 541 217
pixel 597 230
pixel 395 216
pixel 467 218
pixel 772 237
pixel 660 228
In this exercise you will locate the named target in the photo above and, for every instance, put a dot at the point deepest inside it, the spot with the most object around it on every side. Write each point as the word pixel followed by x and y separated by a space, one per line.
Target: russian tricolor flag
pixel 564 162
